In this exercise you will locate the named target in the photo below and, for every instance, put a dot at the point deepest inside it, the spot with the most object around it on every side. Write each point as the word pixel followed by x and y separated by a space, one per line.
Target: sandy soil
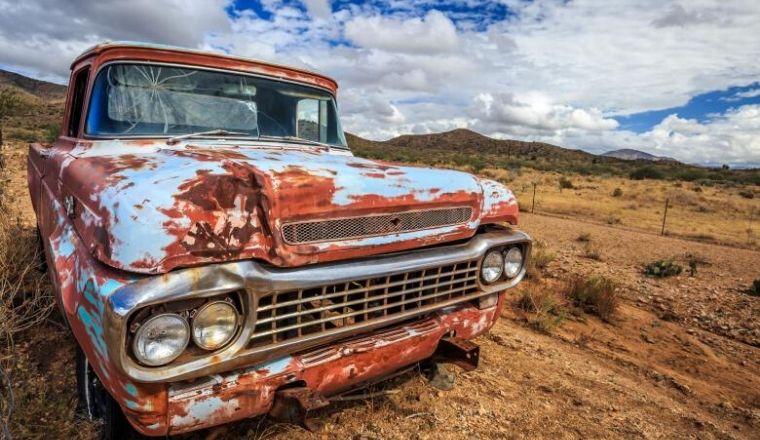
pixel 681 360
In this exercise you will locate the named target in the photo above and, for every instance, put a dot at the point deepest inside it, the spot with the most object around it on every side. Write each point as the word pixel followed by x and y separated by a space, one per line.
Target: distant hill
pixel 40 114
pixel 40 89
pixel 466 148
pixel 631 154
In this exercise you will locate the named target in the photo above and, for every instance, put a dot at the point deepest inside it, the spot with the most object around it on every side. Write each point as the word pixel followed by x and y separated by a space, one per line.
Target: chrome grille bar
pixel 283 316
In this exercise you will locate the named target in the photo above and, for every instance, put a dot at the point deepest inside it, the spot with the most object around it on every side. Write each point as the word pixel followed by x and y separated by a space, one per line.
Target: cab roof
pixel 135 51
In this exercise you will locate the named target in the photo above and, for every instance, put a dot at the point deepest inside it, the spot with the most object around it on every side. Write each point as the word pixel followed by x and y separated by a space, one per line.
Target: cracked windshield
pixel 149 100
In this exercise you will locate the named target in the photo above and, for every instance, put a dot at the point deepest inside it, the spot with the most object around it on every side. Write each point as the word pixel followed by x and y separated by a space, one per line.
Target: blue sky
pixel 671 77
pixel 701 108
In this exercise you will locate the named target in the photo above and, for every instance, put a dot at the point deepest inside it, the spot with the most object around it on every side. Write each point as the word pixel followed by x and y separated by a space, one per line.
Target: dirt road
pixel 681 359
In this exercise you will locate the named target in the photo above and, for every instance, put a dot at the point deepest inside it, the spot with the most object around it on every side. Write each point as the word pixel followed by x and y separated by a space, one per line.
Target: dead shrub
pixel 546 309
pixel 747 194
pixel 595 295
pixel 25 298
pixel 565 183
pixel 25 301
pixel 617 192
pixel 591 252
pixel 584 237
pixel 540 257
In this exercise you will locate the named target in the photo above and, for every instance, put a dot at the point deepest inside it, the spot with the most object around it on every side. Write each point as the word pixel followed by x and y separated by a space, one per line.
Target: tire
pixel 95 404
pixel 42 265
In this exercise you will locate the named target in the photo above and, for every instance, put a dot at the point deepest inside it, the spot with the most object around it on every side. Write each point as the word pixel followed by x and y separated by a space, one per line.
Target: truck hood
pixel 148 207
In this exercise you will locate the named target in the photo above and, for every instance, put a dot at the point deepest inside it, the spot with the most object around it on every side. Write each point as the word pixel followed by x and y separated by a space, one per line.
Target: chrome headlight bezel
pixel 196 328
pixel 495 266
pixel 138 347
pixel 513 262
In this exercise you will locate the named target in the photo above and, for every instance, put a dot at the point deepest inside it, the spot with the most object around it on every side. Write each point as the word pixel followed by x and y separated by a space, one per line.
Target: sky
pixel 672 78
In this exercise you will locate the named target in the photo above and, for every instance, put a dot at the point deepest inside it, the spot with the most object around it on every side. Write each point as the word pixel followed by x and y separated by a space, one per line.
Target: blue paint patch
pixel 94 329
pixel 131 389
pixel 277 366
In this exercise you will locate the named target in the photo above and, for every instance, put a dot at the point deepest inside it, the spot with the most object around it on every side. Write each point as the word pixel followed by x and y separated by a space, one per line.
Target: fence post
pixel 533 205
pixel 664 216
pixel 749 229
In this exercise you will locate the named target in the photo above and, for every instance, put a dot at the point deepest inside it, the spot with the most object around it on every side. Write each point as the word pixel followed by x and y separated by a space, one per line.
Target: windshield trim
pixel 273 139
pixel 86 110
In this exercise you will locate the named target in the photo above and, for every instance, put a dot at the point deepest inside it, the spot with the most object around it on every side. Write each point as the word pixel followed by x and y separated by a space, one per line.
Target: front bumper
pixel 255 280
pixel 248 392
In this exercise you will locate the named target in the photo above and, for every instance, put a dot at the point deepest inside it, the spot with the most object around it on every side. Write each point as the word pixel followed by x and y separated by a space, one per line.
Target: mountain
pixel 631 154
pixel 467 149
pixel 461 142
pixel 43 90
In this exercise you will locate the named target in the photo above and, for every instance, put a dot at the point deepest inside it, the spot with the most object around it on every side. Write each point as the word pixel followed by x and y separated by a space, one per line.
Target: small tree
pixel 9 103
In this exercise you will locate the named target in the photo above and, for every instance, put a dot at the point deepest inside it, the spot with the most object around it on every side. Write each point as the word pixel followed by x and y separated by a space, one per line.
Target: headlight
pixel 160 339
pixel 492 267
pixel 214 325
pixel 513 262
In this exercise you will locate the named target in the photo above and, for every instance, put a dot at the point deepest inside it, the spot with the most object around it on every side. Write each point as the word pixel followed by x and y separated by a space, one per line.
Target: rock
pixel 441 377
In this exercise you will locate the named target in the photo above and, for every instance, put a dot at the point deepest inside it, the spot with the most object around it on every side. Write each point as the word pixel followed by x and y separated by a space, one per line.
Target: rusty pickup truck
pixel 219 253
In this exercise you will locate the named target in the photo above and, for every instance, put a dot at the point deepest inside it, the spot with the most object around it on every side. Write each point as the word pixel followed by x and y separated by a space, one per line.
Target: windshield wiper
pixel 293 139
pixel 219 132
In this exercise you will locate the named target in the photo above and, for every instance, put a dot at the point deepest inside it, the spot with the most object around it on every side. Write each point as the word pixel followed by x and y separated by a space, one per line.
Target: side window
pixel 311 119
pixel 77 101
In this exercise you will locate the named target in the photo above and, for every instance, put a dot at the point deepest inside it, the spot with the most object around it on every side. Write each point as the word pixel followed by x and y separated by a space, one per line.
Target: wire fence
pixel 722 216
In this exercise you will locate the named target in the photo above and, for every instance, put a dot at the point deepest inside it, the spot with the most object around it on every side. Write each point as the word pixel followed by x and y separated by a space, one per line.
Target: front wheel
pixel 95 404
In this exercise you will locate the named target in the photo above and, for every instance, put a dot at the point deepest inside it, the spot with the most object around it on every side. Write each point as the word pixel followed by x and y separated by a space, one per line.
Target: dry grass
pixel 540 257
pixel 25 300
pixel 716 214
pixel 37 387
pixel 596 295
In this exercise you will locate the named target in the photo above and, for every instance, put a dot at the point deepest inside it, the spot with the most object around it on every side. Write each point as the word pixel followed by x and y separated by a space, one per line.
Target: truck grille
pixel 294 314
pixel 373 225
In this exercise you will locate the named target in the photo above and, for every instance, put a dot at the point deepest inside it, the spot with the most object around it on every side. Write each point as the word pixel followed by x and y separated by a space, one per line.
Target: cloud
pixel 732 138
pixel 537 112
pixel 752 93
pixel 549 70
pixel 319 8
pixel 434 33
pixel 45 35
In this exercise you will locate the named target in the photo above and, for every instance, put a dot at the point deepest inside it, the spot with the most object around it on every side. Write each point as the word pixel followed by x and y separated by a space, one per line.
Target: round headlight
pixel 492 267
pixel 214 325
pixel 160 339
pixel 513 262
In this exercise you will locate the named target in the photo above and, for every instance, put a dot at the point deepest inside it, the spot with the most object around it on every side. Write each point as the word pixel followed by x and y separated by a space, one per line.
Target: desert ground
pixel 678 358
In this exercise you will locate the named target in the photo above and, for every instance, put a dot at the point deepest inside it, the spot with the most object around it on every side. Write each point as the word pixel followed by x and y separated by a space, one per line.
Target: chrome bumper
pixel 256 280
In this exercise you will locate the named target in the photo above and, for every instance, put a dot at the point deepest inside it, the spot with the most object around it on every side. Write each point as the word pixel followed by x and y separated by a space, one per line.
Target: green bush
pixel 646 172
pixel 754 289
pixel 51 132
pixel 662 269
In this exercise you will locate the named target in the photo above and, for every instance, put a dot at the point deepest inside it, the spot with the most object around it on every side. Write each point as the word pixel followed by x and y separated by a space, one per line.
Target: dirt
pixel 681 358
